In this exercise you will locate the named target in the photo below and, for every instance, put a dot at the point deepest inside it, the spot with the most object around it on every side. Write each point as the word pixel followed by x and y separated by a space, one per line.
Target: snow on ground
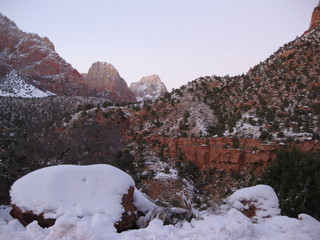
pixel 14 85
pixel 243 128
pixel 229 224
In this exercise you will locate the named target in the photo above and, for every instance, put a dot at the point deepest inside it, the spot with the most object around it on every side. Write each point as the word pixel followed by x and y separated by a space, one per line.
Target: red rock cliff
pixel 104 77
pixel 35 58
pixel 225 153
pixel 315 19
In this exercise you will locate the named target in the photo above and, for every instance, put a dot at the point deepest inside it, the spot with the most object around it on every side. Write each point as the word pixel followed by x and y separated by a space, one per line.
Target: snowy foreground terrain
pixel 82 214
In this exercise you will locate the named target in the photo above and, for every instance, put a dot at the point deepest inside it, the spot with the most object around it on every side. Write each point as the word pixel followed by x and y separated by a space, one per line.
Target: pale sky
pixel 180 40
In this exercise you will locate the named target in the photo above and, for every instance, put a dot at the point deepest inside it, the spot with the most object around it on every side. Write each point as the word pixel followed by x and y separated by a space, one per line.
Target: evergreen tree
pixel 295 177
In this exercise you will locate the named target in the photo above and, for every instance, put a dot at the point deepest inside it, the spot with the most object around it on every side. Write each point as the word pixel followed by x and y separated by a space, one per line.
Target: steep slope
pixel 103 77
pixel 35 59
pixel 219 133
pixel 276 100
pixel 148 88
pixel 315 19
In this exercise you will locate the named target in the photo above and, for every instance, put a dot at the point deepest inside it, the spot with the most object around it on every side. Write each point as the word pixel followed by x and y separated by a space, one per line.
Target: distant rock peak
pixel 315 19
pixel 148 88
pixel 5 20
pixel 104 77
pixel 103 70
pixel 150 79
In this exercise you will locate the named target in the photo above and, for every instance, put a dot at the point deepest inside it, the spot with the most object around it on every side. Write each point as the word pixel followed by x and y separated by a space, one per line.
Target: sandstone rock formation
pixel 239 155
pixel 103 77
pixel 150 87
pixel 27 217
pixel 35 58
pixel 129 216
pixel 315 19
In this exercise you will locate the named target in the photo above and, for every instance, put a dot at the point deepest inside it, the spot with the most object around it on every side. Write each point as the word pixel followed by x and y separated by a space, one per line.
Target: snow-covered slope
pixel 13 85
pixel 229 224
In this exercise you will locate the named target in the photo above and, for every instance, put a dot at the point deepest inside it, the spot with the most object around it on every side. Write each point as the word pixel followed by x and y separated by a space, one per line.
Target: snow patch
pixel 13 85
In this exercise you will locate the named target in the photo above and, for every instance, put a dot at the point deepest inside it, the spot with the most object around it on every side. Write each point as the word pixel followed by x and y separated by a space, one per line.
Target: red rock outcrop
pixel 225 153
pixel 315 19
pixel 103 77
pixel 129 217
pixel 28 217
pixel 35 58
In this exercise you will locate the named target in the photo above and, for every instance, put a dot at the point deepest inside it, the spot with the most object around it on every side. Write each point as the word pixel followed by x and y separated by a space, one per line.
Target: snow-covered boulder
pixel 77 191
pixel 256 202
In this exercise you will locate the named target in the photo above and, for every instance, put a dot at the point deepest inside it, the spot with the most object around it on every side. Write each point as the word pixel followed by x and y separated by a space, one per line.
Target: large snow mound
pixel 73 191
pixel 262 197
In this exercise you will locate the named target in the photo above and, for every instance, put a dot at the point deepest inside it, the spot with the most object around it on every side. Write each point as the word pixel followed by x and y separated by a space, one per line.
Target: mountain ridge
pixel 34 58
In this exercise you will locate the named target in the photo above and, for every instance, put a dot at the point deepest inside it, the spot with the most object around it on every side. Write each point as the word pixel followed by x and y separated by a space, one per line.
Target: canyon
pixel 187 147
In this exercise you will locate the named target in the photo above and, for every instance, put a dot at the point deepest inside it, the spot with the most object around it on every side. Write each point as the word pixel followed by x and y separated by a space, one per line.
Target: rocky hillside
pixel 103 79
pixel 148 88
pixel 216 134
pixel 35 59
pixel 277 100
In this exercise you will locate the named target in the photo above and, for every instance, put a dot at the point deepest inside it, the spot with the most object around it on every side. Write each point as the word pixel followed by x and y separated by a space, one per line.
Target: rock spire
pixel 315 19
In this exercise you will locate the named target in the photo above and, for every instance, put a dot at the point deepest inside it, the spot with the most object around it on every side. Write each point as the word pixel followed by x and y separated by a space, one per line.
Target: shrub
pixel 295 177
pixel 124 160
pixel 188 170
pixel 265 136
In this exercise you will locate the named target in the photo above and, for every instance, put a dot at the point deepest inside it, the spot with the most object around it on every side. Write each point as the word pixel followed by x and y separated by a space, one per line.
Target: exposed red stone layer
pixel 220 153
pixel 28 217
pixel 129 217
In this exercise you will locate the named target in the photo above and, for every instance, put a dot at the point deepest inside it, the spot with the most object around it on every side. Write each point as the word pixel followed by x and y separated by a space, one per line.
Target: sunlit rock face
pixel 103 77
pixel 150 87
